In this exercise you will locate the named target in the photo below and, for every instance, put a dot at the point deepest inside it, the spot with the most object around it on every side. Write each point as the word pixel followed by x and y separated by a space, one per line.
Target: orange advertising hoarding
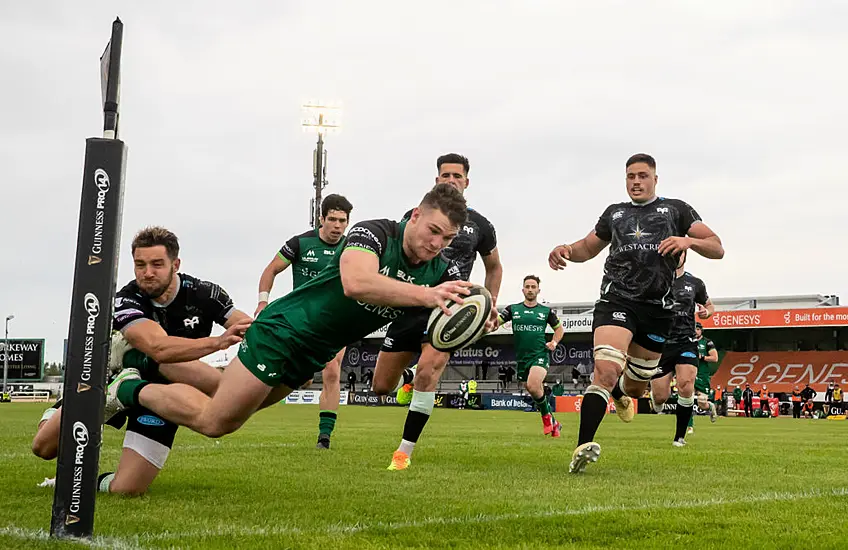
pixel 571 403
pixel 780 371
pixel 778 318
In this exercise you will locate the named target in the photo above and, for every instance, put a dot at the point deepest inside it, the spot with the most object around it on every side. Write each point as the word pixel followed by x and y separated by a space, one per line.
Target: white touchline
pixel 275 530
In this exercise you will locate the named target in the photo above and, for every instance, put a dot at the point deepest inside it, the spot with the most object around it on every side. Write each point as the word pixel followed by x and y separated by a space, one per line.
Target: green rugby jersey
pixel 308 254
pixel 528 328
pixel 324 319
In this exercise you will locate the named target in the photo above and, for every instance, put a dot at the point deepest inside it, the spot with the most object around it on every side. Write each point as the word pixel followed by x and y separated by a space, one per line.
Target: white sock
pixel 104 484
pixel 406 447
pixel 658 407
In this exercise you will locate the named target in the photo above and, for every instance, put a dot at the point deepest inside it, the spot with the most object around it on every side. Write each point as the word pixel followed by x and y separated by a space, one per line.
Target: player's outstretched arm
pixel 583 250
pixel 266 281
pixel 151 339
pixel 363 282
pixel 238 317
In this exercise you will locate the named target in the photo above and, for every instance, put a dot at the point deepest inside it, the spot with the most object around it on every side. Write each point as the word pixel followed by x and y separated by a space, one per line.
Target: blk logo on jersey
pixel 193 322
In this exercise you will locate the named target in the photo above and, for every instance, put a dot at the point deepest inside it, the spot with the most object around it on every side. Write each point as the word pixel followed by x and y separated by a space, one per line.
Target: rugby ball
pixel 465 324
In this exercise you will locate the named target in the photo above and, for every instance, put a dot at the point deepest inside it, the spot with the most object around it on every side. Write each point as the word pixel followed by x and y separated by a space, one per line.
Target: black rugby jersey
pixel 634 269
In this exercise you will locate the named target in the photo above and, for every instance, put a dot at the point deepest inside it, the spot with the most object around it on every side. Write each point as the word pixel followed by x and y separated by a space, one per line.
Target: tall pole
pixel 318 181
pixel 6 355
pixel 322 118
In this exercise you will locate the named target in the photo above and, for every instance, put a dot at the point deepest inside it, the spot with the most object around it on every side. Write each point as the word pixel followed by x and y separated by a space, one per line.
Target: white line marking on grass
pixel 341 529
pixel 211 446
pixel 133 543
pixel 117 543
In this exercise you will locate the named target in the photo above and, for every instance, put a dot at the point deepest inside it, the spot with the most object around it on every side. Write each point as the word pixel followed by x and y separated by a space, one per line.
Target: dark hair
pixel 533 277
pixel 157 236
pixel 448 200
pixel 699 325
pixel 453 158
pixel 335 202
pixel 642 157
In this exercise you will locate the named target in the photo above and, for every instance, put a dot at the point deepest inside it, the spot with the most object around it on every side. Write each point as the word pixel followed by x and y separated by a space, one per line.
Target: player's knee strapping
pixel 423 402
pixel 641 370
pixel 598 390
pixel 611 354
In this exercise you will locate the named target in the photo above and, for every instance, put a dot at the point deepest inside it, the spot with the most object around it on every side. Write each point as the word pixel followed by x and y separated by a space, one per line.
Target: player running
pixel 167 317
pixel 406 336
pixel 309 253
pixel 707 359
pixel 529 319
pixel 634 313
pixel 385 267
pixel 680 355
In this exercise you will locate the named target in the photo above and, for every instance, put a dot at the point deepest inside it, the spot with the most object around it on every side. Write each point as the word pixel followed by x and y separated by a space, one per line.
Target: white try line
pixel 215 446
pixel 224 530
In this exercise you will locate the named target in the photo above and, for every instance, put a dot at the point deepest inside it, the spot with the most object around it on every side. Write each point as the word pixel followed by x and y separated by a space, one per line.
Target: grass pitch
pixel 479 479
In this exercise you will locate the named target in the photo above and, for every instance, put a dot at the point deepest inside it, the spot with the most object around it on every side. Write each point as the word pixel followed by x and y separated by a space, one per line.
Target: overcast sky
pixel 742 104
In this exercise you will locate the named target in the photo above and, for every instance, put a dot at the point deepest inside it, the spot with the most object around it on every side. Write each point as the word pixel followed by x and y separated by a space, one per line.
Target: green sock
pixel 543 405
pixel 326 422
pixel 147 367
pixel 128 392
pixel 692 419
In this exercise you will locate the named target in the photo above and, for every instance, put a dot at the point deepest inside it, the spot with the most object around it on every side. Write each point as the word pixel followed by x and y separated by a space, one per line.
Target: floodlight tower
pixel 321 117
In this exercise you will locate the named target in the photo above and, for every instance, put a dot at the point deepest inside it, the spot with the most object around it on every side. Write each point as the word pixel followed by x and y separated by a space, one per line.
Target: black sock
pixel 616 392
pixel 592 412
pixel 683 415
pixel 414 425
pixel 408 376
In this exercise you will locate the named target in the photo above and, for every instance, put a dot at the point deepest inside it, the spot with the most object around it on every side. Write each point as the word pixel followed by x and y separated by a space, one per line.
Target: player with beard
pixel 680 355
pixel 167 318
pixel 385 267
pixel 634 313
pixel 406 337
pixel 529 319
pixel 309 253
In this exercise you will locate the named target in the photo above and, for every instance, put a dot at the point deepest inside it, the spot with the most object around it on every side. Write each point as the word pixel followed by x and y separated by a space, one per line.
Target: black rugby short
pixel 650 324
pixel 677 353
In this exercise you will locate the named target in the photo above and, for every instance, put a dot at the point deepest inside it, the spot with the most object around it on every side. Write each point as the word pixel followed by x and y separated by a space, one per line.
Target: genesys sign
pixel 781 371
pixel 777 318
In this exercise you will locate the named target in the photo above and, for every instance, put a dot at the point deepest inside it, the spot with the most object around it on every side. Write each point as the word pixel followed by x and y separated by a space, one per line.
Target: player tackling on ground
pixel 529 319
pixel 167 318
pixel 633 315
pixel 680 355
pixel 385 266
pixel 309 253
pixel 406 336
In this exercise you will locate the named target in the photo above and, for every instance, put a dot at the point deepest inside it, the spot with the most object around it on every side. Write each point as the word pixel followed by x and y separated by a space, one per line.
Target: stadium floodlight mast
pixel 321 117
pixel 6 355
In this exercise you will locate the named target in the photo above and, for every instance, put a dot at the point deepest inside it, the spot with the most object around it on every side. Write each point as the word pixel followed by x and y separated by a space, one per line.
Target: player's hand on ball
pixel 234 334
pixel 674 245
pixel 449 290
pixel 259 309
pixel 559 256
pixel 703 313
